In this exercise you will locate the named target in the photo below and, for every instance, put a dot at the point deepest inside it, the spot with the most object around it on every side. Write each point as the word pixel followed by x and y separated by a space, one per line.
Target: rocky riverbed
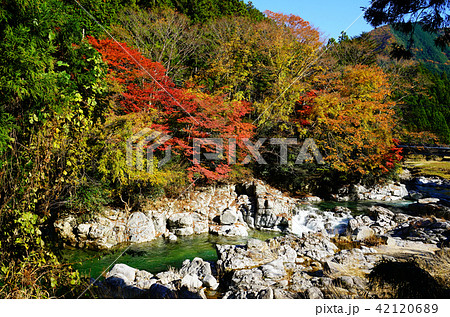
pixel 230 210
pixel 314 265
pixel 329 254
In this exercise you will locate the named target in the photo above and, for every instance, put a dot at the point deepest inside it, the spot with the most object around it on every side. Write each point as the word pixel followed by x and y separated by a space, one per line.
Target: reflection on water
pixel 157 255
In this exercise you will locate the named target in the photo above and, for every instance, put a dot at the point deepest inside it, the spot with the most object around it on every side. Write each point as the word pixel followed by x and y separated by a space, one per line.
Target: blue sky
pixel 330 16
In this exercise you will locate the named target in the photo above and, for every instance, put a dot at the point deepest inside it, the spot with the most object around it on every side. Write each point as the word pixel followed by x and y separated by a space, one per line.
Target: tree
pixel 265 63
pixel 351 119
pixel 359 50
pixel 432 14
pixel 184 113
pixel 53 99
pixel 163 36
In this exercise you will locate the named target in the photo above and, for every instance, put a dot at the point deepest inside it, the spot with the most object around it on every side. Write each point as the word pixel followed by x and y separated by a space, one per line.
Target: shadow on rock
pixel 114 287
pixel 405 280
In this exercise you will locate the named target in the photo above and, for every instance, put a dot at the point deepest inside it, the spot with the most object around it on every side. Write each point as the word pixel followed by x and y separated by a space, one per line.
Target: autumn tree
pixel 350 117
pixel 145 92
pixel 265 63
pixel 164 36
pixel 353 51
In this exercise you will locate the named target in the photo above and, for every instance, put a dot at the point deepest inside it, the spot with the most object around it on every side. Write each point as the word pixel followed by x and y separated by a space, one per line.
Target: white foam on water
pixel 309 218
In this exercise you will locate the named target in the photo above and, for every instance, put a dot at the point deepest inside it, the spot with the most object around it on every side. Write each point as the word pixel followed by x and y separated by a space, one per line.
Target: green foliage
pixel 432 14
pixel 421 44
pixel 200 11
pixel 428 108
pixel 53 101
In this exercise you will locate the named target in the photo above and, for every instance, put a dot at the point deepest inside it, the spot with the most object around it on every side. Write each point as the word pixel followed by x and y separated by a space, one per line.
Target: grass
pixel 345 243
pixel 434 167
pixel 417 277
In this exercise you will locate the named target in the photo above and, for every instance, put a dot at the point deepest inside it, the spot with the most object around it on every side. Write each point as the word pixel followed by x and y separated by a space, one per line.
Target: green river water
pixel 157 255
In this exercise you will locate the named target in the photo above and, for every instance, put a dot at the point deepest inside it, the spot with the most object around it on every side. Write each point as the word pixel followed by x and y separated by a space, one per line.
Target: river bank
pixel 320 247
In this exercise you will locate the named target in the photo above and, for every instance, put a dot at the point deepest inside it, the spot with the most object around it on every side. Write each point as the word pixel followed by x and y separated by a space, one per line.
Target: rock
pixel 387 192
pixel 282 294
pixel 197 267
pixel 312 199
pixel 299 282
pixel 316 246
pixel 256 244
pixel 381 214
pixel 428 200
pixel 159 221
pixel 168 277
pixel 180 220
pixel 64 227
pixel 354 224
pixel 202 294
pixel 143 275
pixel 287 253
pixel 250 279
pixel 200 223
pixel 172 237
pixel 83 230
pixel 415 195
pixel 333 268
pixel 210 281
pixel 145 284
pixel 391 242
pixel 400 218
pixel 428 209
pixel 364 233
pixel 229 216
pixel 265 294
pixel 345 282
pixel 183 231
pixel 140 228
pixel 237 229
pixel 120 270
pixel 235 257
pixel 191 282
pixel 432 181
pixel 274 269
pixel 314 293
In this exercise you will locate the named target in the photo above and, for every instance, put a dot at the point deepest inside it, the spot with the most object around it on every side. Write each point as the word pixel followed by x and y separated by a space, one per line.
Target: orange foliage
pixel 351 119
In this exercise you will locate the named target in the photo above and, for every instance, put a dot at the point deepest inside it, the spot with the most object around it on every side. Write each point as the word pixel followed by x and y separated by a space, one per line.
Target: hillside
pixel 423 48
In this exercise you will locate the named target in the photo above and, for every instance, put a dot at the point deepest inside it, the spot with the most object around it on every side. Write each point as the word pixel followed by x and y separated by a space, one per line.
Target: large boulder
pixel 123 271
pixel 65 227
pixel 237 229
pixel 388 192
pixel 229 216
pixel 181 224
pixel 197 267
pixel 364 233
pixel 192 282
pixel 140 228
pixel 159 221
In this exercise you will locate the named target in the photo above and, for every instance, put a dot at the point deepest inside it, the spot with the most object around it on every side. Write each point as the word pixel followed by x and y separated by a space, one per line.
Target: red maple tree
pixel 184 113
